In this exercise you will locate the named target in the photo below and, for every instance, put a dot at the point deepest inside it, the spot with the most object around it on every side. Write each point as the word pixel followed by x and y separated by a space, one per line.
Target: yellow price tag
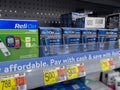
pixel 50 77
pixel 7 84
pixel 105 65
pixel 72 72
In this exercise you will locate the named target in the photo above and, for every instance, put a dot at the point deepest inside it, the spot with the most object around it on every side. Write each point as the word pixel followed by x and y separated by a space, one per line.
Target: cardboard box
pixel 101 39
pixel 90 22
pixel 111 38
pixel 50 40
pixel 69 19
pixel 18 39
pixel 72 39
pixel 89 38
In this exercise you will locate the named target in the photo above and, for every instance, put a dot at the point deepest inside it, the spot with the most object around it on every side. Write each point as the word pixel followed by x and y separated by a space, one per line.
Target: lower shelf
pixel 91 60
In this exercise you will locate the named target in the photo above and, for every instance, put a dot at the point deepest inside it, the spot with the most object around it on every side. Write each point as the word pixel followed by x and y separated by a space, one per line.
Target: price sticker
pixel 81 70
pixel 20 80
pixel 105 65
pixel 7 84
pixel 50 77
pixel 112 64
pixel 62 74
pixel 72 72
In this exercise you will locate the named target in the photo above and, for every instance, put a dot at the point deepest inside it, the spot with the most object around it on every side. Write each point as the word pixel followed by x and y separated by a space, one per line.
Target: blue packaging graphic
pixel 72 38
pixel 69 19
pixel 111 38
pixel 50 40
pixel 80 22
pixel 89 38
pixel 101 39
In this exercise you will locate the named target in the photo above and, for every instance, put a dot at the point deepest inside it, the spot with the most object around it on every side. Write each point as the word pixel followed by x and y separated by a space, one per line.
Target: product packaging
pixel 50 40
pixel 69 19
pixel 72 39
pixel 89 38
pixel 101 39
pixel 90 22
pixel 111 38
pixel 18 39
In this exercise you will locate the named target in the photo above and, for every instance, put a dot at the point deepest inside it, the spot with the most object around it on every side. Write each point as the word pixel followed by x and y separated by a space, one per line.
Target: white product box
pixel 105 76
pixel 91 22
pixel 111 77
pixel 117 83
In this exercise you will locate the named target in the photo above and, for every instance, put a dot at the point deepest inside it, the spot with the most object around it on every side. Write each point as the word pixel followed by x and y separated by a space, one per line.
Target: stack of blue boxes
pixel 77 39
pixel 74 40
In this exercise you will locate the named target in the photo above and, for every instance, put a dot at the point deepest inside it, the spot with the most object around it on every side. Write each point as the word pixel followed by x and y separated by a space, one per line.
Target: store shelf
pixel 35 77
pixel 106 2
pixel 48 13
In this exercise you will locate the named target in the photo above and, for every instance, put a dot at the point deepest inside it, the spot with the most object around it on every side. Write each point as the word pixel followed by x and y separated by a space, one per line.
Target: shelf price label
pixel 50 77
pixel 105 65
pixel 112 64
pixel 81 70
pixel 20 80
pixel 61 74
pixel 7 83
pixel 72 72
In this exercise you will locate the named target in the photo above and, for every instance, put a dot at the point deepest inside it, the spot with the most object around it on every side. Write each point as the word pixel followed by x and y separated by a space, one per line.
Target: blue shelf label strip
pixel 18 65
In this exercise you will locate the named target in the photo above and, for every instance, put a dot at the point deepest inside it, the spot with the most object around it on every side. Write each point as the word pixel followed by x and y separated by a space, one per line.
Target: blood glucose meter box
pixel 18 39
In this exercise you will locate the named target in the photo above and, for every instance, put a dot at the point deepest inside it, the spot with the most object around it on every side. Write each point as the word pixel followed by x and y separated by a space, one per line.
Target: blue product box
pixel 57 86
pixel 72 39
pixel 76 85
pixel 50 40
pixel 101 39
pixel 89 38
pixel 111 38
pixel 69 20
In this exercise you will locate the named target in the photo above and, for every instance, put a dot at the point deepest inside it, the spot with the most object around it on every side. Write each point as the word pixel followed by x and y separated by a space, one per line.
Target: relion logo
pixel 25 26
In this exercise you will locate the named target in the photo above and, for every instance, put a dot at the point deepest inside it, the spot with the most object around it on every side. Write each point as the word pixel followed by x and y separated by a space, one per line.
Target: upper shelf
pixel 115 3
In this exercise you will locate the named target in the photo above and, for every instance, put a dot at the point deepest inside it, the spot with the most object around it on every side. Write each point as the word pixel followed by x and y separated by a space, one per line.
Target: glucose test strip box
pixel 101 39
pixel 72 38
pixel 111 38
pixel 89 37
pixel 18 39
pixel 50 40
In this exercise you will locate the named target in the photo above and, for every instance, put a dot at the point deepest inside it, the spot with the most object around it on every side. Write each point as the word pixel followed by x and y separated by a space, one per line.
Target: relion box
pixel 50 40
pixel 72 38
pixel 89 38
pixel 18 39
